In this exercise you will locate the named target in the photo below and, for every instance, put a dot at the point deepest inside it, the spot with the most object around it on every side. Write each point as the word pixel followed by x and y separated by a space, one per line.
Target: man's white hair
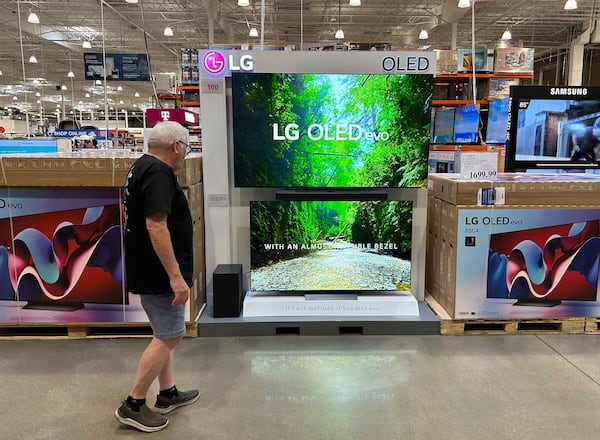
pixel 164 133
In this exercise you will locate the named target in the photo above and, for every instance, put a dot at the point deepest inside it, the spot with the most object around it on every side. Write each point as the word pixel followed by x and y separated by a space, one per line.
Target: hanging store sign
pixel 184 117
pixel 119 67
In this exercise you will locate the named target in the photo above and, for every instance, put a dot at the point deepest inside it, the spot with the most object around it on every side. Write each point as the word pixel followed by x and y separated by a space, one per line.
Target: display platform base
pixel 341 305
pixel 425 323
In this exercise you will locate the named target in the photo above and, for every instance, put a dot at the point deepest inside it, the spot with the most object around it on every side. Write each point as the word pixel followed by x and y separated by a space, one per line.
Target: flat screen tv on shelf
pixel 466 124
pixel 330 247
pixel 443 126
pixel 497 121
pixel 547 265
pixel 553 128
pixel 330 130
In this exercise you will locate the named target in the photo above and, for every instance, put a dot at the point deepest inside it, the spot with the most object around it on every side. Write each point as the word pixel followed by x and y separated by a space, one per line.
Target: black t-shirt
pixel 152 187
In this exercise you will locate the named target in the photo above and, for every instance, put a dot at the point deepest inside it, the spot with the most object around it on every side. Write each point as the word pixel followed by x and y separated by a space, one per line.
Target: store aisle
pixel 294 387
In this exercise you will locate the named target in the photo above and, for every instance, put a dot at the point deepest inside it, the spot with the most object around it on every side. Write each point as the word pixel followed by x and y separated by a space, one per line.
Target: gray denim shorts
pixel 167 321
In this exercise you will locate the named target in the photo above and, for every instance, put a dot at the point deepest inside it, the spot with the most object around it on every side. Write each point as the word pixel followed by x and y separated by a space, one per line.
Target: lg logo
pixel 213 62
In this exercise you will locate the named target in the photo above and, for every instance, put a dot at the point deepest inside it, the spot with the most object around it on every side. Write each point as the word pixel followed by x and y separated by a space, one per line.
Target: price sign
pixel 478 166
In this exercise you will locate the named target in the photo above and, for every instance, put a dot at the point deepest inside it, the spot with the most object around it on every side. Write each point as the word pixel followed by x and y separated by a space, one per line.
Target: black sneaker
pixel 165 405
pixel 145 419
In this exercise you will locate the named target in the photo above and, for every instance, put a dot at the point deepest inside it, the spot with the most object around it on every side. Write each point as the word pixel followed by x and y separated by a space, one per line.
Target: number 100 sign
pixel 212 86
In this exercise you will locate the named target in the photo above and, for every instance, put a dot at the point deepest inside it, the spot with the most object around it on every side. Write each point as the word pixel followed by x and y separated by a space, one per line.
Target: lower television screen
pixel 550 263
pixel 330 246
pixel 63 256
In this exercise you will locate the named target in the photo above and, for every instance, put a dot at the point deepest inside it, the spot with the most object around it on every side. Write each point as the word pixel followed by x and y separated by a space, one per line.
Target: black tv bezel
pixel 520 93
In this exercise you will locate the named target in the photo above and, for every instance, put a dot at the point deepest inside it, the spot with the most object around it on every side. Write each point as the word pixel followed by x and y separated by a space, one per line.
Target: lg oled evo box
pixel 514 261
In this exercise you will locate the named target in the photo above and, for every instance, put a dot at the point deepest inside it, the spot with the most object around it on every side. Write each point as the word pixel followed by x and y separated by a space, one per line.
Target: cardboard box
pixel 494 260
pixel 520 188
pixel 191 172
pixel 446 61
pixel 483 63
pixel 514 60
pixel 57 170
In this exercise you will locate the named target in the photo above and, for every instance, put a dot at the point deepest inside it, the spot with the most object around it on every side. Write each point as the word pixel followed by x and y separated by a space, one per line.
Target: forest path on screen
pixel 347 267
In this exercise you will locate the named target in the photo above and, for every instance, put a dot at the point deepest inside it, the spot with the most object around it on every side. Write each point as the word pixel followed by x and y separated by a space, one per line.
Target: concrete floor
pixel 318 387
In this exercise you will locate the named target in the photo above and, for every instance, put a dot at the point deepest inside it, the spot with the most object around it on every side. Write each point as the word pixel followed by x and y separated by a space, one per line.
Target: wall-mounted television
pixel 553 128
pixel 443 125
pixel 547 265
pixel 317 246
pixel 497 121
pixel 330 130
pixel 466 124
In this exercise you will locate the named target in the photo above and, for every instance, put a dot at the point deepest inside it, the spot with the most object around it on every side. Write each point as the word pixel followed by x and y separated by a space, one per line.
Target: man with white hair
pixel 158 267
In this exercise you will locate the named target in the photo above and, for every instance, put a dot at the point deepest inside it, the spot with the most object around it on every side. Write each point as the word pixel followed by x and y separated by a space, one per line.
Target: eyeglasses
pixel 188 149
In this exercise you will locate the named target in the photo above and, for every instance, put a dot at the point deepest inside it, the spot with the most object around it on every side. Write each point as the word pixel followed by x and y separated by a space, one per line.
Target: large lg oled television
pixel 332 247
pixel 544 266
pixel 330 130
pixel 553 128
pixel 497 121
pixel 61 258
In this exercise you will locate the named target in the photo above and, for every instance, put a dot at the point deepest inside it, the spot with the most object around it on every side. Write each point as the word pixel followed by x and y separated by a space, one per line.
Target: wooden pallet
pixel 592 326
pixel 84 331
pixel 460 327
pixel 512 326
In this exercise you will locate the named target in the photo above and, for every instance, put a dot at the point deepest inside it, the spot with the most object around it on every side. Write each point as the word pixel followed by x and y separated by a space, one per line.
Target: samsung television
pixel 466 124
pixel 330 130
pixel 553 128
pixel 547 265
pixel 497 122
pixel 330 247
pixel 443 126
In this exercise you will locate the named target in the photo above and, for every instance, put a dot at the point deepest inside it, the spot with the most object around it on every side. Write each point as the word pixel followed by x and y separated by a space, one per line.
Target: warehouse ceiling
pixel 116 26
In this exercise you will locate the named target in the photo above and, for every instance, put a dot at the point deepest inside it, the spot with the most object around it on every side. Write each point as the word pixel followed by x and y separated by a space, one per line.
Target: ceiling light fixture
pixel 39 101
pixel 253 32
pixel 33 59
pixel 38 94
pixel 506 35
pixel 33 18
pixel 0 72
pixel 87 95
pixel 86 45
pixel 340 33
pixel 131 1
pixel 464 3
pixel 423 35
pixel 70 74
pixel 119 89
pixel 354 3
pixel 98 82
pixel 243 2
pixel 168 32
pixel 63 87
pixel 15 98
pixel 136 94
pixel 570 5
